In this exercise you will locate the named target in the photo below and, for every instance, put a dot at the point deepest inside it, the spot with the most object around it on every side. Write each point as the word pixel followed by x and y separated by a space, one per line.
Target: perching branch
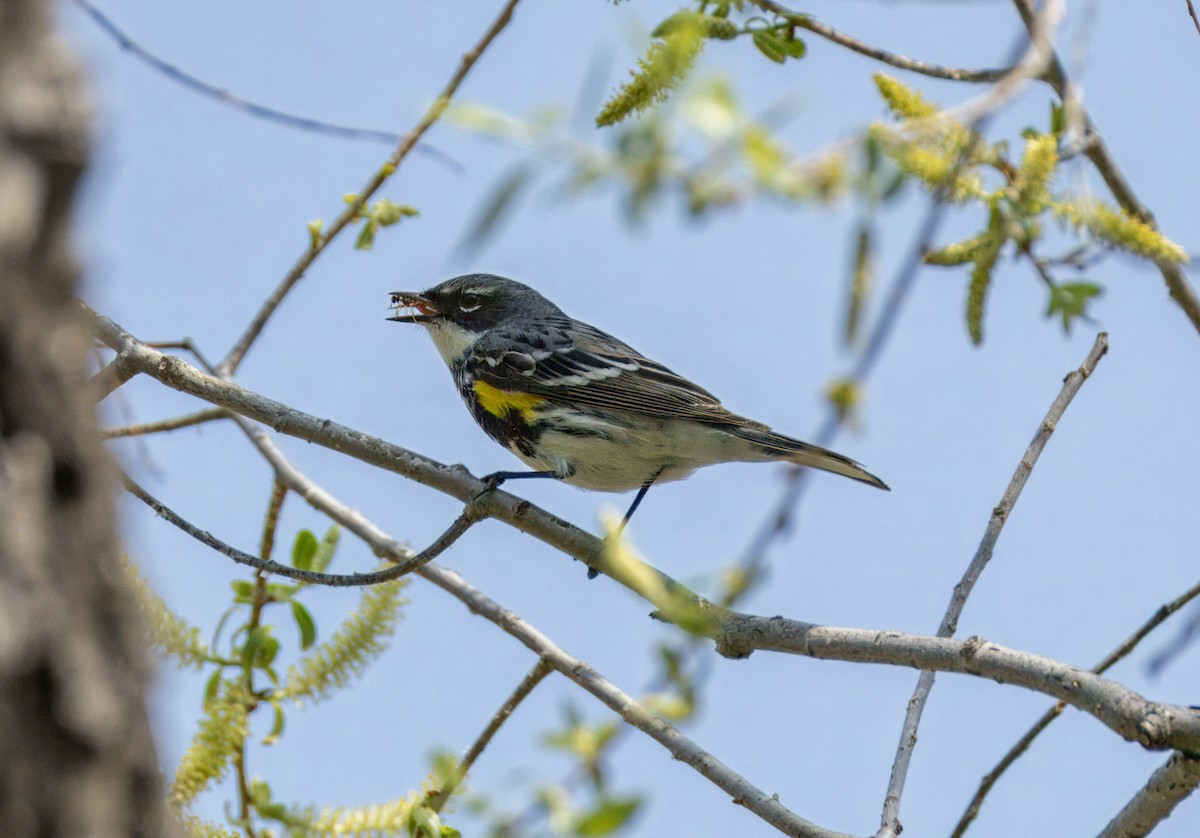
pixel 1168 786
pixel 1154 725
pixel 231 361
pixel 802 21
pixel 890 821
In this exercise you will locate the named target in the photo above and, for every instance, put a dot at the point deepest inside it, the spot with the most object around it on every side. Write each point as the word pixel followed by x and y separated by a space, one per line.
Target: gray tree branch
pixel 1170 784
pixel 890 821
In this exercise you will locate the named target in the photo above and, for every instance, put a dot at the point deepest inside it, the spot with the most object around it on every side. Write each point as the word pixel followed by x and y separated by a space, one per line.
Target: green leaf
pixel 243 590
pixel 497 205
pixel 366 236
pixel 860 283
pixel 608 817
pixel 1070 301
pixel 423 822
pixel 326 549
pixel 450 832
pixel 304 550
pixel 305 623
pixel 276 726
pixel 1058 121
pixel 770 45
pixel 258 649
pixel 260 792
pixel 278 592
pixel 795 47
pixel 211 687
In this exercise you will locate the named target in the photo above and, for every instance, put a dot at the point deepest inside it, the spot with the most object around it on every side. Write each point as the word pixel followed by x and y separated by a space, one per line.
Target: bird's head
pixel 459 311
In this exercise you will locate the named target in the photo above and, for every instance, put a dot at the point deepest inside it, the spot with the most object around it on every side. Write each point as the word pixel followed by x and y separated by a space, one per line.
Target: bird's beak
pixel 425 310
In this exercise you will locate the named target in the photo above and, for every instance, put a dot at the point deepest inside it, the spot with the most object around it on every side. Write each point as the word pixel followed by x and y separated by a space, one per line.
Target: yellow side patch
pixel 500 402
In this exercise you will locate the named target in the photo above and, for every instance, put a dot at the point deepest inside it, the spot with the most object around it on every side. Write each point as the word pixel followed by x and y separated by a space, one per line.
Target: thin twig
pixel 271 521
pixel 1159 617
pixel 231 361
pixel 199 417
pixel 197 85
pixel 1192 12
pixel 890 822
pixel 535 676
pixel 336 580
pixel 766 806
pixel 1168 786
pixel 190 346
pixel 803 21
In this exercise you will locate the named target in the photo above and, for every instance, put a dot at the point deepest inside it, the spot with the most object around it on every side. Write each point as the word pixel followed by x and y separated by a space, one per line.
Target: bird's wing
pixel 586 366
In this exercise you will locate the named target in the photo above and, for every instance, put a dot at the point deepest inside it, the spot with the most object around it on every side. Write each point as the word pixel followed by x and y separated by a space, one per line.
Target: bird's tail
pixel 780 447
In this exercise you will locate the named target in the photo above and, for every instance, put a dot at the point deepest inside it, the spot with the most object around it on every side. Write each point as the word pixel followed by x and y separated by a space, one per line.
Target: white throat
pixel 451 340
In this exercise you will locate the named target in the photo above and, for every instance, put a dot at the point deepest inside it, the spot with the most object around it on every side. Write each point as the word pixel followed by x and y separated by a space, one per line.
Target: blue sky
pixel 194 211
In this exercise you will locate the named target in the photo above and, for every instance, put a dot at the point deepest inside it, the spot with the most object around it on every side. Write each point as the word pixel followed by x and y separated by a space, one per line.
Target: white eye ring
pixel 466 309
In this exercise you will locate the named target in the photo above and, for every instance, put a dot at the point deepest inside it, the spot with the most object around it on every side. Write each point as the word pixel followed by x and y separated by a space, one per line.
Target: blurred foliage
pixel 383 213
pixel 236 691
pixel 947 157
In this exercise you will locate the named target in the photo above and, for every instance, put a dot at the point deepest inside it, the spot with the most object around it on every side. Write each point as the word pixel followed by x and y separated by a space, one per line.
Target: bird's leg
pixel 493 480
pixel 592 572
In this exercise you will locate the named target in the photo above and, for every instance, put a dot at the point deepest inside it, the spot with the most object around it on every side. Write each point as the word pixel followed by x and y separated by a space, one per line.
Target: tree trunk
pixel 76 755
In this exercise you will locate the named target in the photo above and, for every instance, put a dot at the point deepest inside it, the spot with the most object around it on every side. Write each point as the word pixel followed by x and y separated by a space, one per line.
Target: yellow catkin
pixel 1033 179
pixel 664 67
pixel 958 253
pixel 1119 228
pixel 981 280
pixel 903 101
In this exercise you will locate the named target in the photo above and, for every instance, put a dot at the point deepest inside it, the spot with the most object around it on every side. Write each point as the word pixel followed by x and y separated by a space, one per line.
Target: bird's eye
pixel 469 302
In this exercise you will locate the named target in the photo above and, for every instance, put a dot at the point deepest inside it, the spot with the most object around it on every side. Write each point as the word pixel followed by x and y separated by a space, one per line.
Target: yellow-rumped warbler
pixel 575 403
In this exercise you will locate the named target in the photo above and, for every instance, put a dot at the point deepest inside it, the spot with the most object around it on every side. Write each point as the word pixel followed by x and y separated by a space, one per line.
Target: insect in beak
pixel 423 309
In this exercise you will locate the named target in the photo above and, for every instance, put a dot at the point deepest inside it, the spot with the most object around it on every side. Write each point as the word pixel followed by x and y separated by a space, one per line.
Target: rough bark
pixel 76 755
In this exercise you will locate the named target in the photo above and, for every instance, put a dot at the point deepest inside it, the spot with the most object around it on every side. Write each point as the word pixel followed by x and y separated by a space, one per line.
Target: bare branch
pixel 231 361
pixel 1168 786
pixel 802 21
pixel 1128 645
pixel 766 806
pixel 405 565
pixel 535 676
pixel 1155 726
pixel 199 417
pixel 316 126
pixel 890 823
pixel 1192 12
